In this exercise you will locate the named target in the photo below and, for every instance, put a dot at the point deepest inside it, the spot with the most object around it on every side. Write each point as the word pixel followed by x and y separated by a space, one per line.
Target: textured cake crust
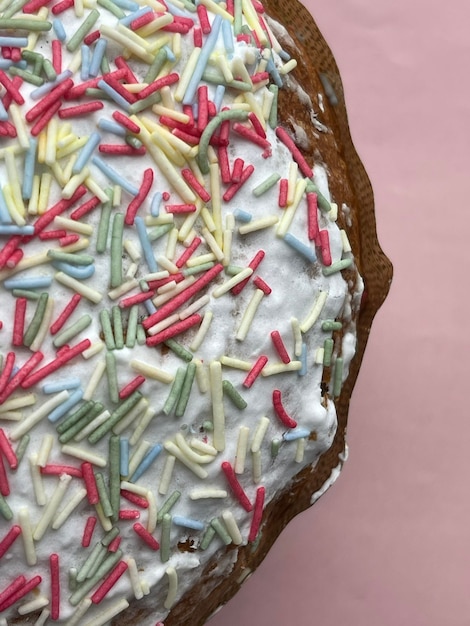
pixel 348 184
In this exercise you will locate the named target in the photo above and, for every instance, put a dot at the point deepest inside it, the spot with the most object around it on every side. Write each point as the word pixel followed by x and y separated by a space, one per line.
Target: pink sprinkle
pixel 66 313
pixel 135 383
pixel 90 483
pixel 298 156
pixel 8 249
pixel 251 135
pixel 46 235
pixel 56 363
pixel 175 329
pixel 203 19
pixel 88 531
pixel 62 6
pixel 19 321
pixel 10 537
pixel 109 582
pixel 121 64
pixel 57 209
pixel 253 264
pixel 281 412
pixel 4 484
pixel 197 36
pixel 261 284
pixel 177 27
pixel 164 81
pixel 237 170
pixel 280 347
pixel 202 108
pixel 193 246
pixel 68 240
pixel 156 284
pixel 235 486
pixel 135 498
pixel 57 55
pixel 21 375
pixel 224 165
pixel 232 190
pixel 121 149
pixel 312 208
pixel 283 191
pixel 195 185
pixel 142 20
pixel 55 586
pixel 259 77
pixel 325 247
pixel 257 125
pixel 56 469
pixel 91 37
pixel 80 109
pixel 257 514
pixel 11 88
pixel 230 7
pixel 244 37
pixel 146 536
pixel 114 545
pixel 7 450
pixel 44 120
pixel 12 588
pixel 20 593
pixel 7 370
pixel 6 52
pixel 188 138
pixel 85 208
pixel 49 101
pixel 117 86
pixel 136 299
pixel 129 514
pixel 15 258
pixel 136 203
pixel 255 371
pixel 126 122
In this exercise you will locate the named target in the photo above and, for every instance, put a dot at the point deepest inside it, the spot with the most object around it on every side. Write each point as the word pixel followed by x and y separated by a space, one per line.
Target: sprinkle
pixel 298 156
pixel 88 531
pixel 280 347
pixel 242 446
pixel 27 536
pixel 249 314
pixel 51 507
pixel 9 539
pixel 105 616
pixel 338 377
pixel 172 587
pixel 237 489
pixel 338 266
pixel 315 312
pixel 303 249
pixel 78 287
pixel 234 395
pixel 281 412
pixel 221 530
pixel 260 433
pixel 173 449
pixel 232 282
pixel 146 536
pixel 232 527
pixel 257 514
pixel 26 587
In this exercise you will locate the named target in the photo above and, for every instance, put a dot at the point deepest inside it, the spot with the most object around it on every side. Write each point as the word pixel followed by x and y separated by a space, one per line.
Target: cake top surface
pixel 175 324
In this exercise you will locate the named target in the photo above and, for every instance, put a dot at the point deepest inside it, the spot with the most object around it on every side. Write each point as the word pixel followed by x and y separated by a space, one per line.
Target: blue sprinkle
pixel 61 385
pixel 62 409
pixel 29 282
pixel 151 308
pixel 298 433
pixel 77 272
pixel 204 55
pixel 5 217
pixel 228 38
pixel 155 205
pixel 129 5
pixel 242 216
pixel 187 522
pixel 59 29
pixel 98 54
pixel 114 95
pixel 147 461
pixel 38 93
pixel 130 17
pixel 86 152
pixel 303 360
pixel 219 96
pixel 146 247
pixel 114 176
pixel 272 69
pixel 86 59
pixel 169 54
pixel 29 165
pixel 179 12
pixel 285 56
pixel 5 64
pixel 300 247
pixel 13 42
pixel 124 454
pixel 13 229
pixel 111 127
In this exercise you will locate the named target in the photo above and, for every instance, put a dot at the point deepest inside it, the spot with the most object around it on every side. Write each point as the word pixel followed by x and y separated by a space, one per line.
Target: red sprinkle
pixel 193 246
pixel 135 498
pixel 90 483
pixel 12 588
pixel 7 450
pixel 135 383
pixel 197 35
pixel 7 370
pixel 91 37
pixel 180 208
pixel 280 347
pixel 203 106
pixel 88 531
pixel 80 109
pixel 224 165
pixel 62 6
pixel 121 64
pixel 52 234
pixel 11 88
pixel 20 592
pixel 85 208
pixel 114 545
pixel 109 582
pixel 56 363
pixel 21 375
pixel 203 19
pixel 164 81
pixel 56 469
pixel 49 101
pixel 298 156
pixel 143 192
pixel 261 284
pixel 142 20
pixel 121 149
pixel 312 207
pixel 66 313
pixel 57 55
pixel 283 192
pixel 146 536
pixel 68 240
pixel 129 514
pixel 138 298
pixel 255 371
pixel 126 122
pixel 10 537
pixel 232 190
pixel 251 135
pixel 254 263
pixel 117 86
pixel 175 329
pixel 325 247
pixel 257 514
pixel 4 484
pixel 236 487
pixel 281 412
pixel 238 165
pixel 19 321
pixel 55 586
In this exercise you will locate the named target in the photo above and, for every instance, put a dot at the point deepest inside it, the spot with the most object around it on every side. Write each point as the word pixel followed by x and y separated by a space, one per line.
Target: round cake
pixel 188 274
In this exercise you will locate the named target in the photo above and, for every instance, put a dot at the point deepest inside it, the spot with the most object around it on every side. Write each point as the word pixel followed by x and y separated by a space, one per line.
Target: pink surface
pixel 389 544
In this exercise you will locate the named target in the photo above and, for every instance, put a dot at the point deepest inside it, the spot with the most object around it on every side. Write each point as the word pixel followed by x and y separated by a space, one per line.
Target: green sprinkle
pixel 234 395
pixel 5 510
pixel 189 5
pixel 36 321
pixel 26 293
pixel 117 327
pixel 107 329
pixel 168 505
pixel 114 475
pixel 165 538
pixel 103 569
pixel 223 116
pixel 133 142
pixel 328 270
pixel 175 391
pixel 273 122
pixel 38 65
pixel 207 537
pixel 132 326
pixel 145 103
pixel 72 331
pixel 22 23
pixel 275 447
pixel 328 345
pixel 49 70
pixel 266 185
pixel 237 14
pixel 197 269
pixel 111 372
pixel 103 228
pixel 208 425
pixel 72 579
pixel 322 202
pixel 75 416
pixel 103 493
pixel 338 377
pixel 29 77
pixel 118 414
pixel 73 259
pixel 116 250
pixel 94 92
pixel 221 531
pixel 105 67
pixel 157 64
pixel 112 8
pixel 82 31
pixel 179 350
pixel 330 325
pixel 215 77
pixel 186 389
pixel 79 425
pixel 159 231
pixel 233 270
pixel 21 448
pixel 141 336
pixel 110 536
pixel 96 556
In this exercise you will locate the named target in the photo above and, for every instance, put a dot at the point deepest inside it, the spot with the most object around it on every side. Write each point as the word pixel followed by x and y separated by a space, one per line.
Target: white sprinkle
pixel 165 323
pixel 166 475
pixel 151 512
pixel 297 336
pixel 167 264
pixel 333 212
pixel 260 432
pixel 84 455
pixel 281 368
pixel 89 428
pixel 172 587
pixel 259 224
pixel 69 508
pixel 95 378
pixel 132 270
pixel 201 259
pixel 202 331
pixel 314 314
pixel 173 449
pixel 345 241
pixel 134 578
pixel 170 250
pixel 249 314
pixel 79 287
pixel 300 449
pixel 195 306
pixel 45 450
pixel 137 489
pixel 105 522
pixel 319 356
pixel 36 479
pixel 123 288
pixel 38 415
pixel 27 536
pixel 235 280
pixel 232 527
pixel 181 286
pixel 236 363
pixel 18 403
pixel 256 466
pixel 289 213
pixel 33 605
pixel 201 446
pixel 142 425
pixel 149 371
pixel 209 492
pixel 95 348
pixel 218 416
pixel 190 453
pixel 43 617
pixel 52 506
pixel 202 376
pixel 80 611
pixel 133 414
pixel 242 446
pixel 132 250
pixel 212 244
pixel 113 610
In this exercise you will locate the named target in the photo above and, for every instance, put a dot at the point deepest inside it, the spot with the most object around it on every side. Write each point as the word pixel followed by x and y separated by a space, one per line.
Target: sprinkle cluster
pixel 167 257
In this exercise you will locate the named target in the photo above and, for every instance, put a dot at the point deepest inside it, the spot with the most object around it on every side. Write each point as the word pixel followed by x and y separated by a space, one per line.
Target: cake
pixel 188 274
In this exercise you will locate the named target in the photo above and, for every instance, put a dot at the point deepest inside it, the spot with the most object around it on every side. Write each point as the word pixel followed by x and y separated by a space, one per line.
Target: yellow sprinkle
pixel 333 212
pixel 190 453
pixel 73 225
pixel 202 331
pixel 167 265
pixel 216 195
pixel 232 527
pixel 202 377
pixel 78 7
pixel 18 403
pixel 51 507
pixel 95 348
pixel 213 244
pixel 288 67
pixel 207 217
pixel 314 313
pixel 253 21
pixel 79 287
pixel 94 380
pixel 76 61
pixel 144 421
pixel 181 286
pixel 256 466
pixel 16 149
pixel 242 446
pixel 132 250
pixel 259 224
pixel 72 147
pixel 37 482
pixel 138 455
pixel 14 181
pixel 33 202
pixel 15 214
pixel 136 413
pixel 163 218
pixel 319 356
pixel 167 473
pixel 159 109
pixel 51 140
pixel 105 522
pixel 65 140
pixel 236 363
pixel 249 314
pixel 224 66
pixel 345 241
pixel 213 7
pixel 186 74
pixel 162 143
pixel 84 455
pixel 27 536
pixel 228 284
pixel 151 511
pixel 125 38
pixel 300 449
pixel 18 121
pixel 281 368
pixel 208 492
pixel 44 193
pixel 292 182
pixel 137 489
pixel 96 189
pixel 268 97
pixel 172 587
pixel 156 25
pixel 74 183
pixel 123 288
pixel 203 447
pixel 255 107
pixel 189 221
pixel 68 508
pixel 151 372
pixel 173 449
pixel 260 433
pixel 288 214
pixel 58 174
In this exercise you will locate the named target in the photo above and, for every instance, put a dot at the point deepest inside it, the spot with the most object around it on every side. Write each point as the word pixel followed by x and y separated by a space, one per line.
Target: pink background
pixel 389 544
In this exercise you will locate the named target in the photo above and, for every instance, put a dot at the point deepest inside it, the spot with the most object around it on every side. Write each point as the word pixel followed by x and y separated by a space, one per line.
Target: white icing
pixel 295 283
